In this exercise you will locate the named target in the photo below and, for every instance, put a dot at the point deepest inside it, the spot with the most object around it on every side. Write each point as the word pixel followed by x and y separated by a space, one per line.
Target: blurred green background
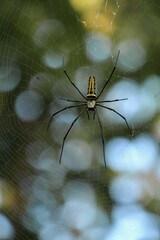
pixel 79 199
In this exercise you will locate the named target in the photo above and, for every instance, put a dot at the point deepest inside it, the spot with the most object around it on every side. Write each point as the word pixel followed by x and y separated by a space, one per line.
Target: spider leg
pixel 62 111
pixel 114 68
pixel 73 84
pixel 70 100
pixel 68 133
pixel 102 137
pixel 115 100
pixel 111 109
pixel 88 114
pixel 94 114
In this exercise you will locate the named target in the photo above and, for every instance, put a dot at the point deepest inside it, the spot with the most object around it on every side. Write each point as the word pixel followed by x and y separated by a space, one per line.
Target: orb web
pixel 80 198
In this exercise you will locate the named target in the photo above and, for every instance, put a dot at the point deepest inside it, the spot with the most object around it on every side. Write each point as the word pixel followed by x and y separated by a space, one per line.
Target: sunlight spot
pixel 84 5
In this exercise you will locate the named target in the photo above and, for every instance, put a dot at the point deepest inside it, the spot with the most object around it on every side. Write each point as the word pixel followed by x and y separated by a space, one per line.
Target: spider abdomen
pixel 91 94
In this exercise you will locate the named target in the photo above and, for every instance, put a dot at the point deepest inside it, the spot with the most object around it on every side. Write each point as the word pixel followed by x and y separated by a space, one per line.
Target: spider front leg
pixel 114 68
pixel 65 72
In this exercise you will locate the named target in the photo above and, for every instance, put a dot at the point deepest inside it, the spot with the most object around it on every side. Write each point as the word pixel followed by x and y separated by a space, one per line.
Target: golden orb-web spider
pixel 90 104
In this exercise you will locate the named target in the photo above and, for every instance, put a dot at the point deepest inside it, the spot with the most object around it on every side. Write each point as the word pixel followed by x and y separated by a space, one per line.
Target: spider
pixel 91 103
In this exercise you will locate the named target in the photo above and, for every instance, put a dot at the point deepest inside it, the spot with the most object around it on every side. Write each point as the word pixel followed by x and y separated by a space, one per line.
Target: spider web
pixel 79 199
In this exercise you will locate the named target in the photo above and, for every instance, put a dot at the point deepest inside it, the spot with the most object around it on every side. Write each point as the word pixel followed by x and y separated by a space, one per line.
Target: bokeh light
pixel 29 106
pixel 133 222
pixel 73 153
pixel 133 156
pixel 6 228
pixel 98 47
pixel 50 28
pixel 85 5
pixel 53 60
pixel 139 106
pixel 10 75
pixel 132 55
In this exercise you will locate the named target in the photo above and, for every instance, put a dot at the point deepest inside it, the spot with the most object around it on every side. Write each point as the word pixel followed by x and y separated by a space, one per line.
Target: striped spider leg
pixel 90 103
